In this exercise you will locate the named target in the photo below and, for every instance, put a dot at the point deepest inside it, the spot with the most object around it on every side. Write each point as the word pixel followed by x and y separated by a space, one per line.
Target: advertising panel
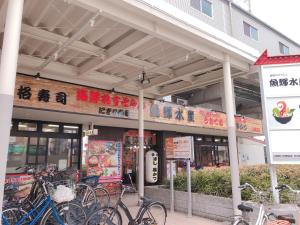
pixel 104 160
pixel 280 85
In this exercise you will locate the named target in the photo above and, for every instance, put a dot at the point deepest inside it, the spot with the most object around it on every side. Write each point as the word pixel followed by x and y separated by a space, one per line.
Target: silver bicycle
pixel 246 208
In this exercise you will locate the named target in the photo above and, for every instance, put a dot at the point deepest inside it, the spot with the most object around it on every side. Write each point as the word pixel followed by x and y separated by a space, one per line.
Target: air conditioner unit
pixel 182 102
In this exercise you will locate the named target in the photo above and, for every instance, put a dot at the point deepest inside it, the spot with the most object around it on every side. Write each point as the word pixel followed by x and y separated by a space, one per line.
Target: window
pixel 24 126
pixel 16 153
pixel 284 49
pixel 50 128
pixel 250 31
pixel 204 6
pixel 71 129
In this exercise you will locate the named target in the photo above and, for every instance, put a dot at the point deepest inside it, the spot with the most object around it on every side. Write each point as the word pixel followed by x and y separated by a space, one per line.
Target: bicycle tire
pixel 154 213
pixel 101 217
pixel 241 222
pixel 102 196
pixel 85 194
pixel 13 215
pixel 70 212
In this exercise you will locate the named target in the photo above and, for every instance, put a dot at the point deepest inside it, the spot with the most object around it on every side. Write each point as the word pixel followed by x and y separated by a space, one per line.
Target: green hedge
pixel 217 182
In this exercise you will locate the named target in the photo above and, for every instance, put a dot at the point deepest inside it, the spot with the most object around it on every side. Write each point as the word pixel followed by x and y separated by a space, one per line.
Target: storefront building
pixel 109 151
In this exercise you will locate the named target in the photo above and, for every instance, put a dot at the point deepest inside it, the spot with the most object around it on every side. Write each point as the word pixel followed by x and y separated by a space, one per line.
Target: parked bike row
pixel 265 216
pixel 58 197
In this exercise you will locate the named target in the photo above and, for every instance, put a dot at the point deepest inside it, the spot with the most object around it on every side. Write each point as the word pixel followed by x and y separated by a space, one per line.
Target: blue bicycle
pixel 45 212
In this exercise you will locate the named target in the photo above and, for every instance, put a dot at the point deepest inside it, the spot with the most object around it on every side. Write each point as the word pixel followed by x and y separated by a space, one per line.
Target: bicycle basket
pixel 63 191
pixel 287 196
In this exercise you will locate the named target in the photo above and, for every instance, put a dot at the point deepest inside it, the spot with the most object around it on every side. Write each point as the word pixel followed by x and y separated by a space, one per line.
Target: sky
pixel 283 15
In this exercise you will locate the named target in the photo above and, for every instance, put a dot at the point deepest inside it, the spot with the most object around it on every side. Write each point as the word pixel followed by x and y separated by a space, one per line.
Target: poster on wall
pixel 280 87
pixel 179 148
pixel 104 159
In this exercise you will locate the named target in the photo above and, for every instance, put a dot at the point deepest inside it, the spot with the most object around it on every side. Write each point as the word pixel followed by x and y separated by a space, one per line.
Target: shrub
pixel 217 182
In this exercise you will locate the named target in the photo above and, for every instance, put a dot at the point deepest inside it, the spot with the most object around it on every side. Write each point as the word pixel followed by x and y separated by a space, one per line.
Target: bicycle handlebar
pixel 246 185
pixel 285 186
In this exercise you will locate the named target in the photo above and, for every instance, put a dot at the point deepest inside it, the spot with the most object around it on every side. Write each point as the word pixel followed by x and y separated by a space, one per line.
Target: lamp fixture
pixel 37 76
pixel 144 80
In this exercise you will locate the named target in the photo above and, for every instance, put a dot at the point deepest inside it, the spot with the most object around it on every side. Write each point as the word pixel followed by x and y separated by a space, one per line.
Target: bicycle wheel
pixel 241 222
pixel 69 212
pixel 85 194
pixel 104 216
pixel 154 214
pixel 11 216
pixel 102 196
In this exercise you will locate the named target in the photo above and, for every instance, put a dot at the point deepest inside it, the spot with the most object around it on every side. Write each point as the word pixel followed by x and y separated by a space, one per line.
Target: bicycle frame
pixel 132 221
pixel 44 205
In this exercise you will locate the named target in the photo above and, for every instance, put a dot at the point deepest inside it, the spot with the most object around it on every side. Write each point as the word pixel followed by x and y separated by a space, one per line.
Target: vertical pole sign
pixel 180 148
pixel 280 92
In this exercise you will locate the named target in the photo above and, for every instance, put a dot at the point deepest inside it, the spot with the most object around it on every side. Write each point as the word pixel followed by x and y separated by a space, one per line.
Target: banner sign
pixel 280 85
pixel 59 96
pixel 179 148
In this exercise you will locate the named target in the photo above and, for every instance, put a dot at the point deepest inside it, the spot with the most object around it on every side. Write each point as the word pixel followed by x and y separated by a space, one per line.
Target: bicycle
pixel 90 191
pixel 149 213
pixel 263 217
pixel 41 207
pixel 297 193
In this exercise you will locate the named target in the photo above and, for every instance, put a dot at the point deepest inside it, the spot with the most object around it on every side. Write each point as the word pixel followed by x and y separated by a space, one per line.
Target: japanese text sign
pixel 280 85
pixel 179 148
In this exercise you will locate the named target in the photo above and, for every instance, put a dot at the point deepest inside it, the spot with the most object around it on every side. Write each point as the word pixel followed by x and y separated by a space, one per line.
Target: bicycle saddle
pixel 290 218
pixel 91 180
pixel 245 208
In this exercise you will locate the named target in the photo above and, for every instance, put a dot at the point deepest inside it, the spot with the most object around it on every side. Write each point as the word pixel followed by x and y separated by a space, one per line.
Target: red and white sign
pixel 280 90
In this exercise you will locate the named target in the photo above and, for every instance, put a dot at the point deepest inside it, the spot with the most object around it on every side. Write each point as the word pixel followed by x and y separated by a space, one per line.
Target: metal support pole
pixel 171 187
pixel 273 174
pixel 234 164
pixel 141 144
pixel 189 186
pixel 8 69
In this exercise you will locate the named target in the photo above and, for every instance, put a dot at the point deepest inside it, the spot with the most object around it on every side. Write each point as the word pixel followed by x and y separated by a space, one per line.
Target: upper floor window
pixel 203 6
pixel 250 31
pixel 285 50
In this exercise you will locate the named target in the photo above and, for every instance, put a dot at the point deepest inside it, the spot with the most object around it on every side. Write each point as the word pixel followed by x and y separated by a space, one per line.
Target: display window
pixel 42 143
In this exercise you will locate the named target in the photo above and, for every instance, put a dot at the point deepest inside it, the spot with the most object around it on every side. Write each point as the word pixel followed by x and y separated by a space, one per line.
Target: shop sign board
pixel 280 85
pixel 90 132
pixel 179 147
pixel 60 96
pixel 65 97
pixel 104 158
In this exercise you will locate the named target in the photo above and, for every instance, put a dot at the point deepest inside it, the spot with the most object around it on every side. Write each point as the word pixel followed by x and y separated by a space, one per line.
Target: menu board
pixel 104 159
pixel 179 148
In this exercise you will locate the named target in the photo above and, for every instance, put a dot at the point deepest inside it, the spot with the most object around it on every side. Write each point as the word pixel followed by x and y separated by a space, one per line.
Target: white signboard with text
pixel 179 148
pixel 280 88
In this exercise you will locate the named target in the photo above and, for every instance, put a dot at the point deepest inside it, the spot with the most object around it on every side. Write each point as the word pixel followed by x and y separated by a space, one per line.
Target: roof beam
pixel 77 36
pixel 195 68
pixel 191 35
pixel 31 62
pixel 153 70
pixel 145 65
pixel 56 39
pixel 132 41
pixel 202 81
pixel 42 13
